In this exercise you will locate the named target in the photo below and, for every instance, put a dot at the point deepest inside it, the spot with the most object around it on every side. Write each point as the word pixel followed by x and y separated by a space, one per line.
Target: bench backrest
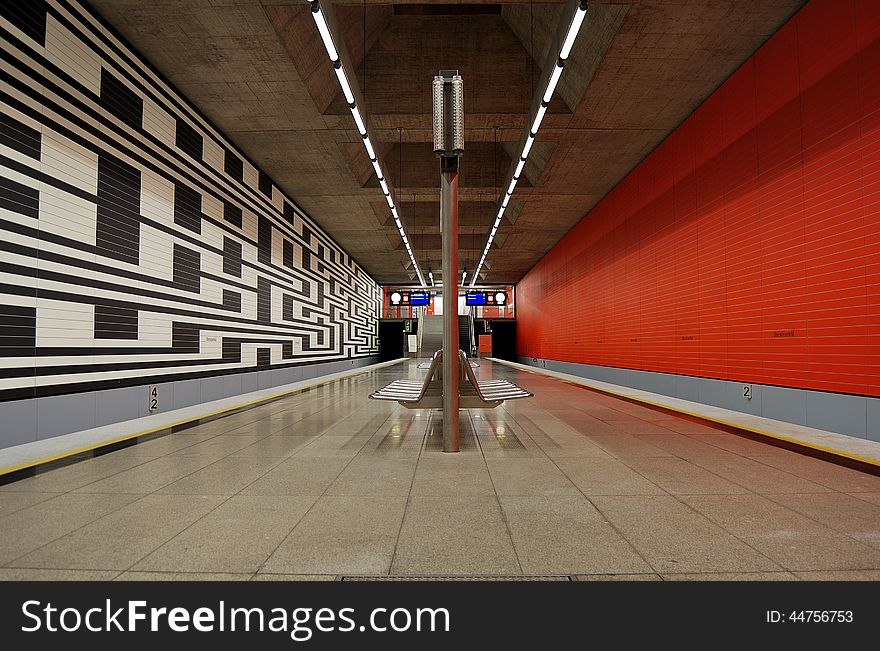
pixel 432 369
pixel 469 372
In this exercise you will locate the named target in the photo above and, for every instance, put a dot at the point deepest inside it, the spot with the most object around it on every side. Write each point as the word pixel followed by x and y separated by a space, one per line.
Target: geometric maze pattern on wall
pixel 136 243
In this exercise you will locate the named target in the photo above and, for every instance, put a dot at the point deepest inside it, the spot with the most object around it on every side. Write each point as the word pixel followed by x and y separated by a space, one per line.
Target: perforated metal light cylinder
pixel 439 130
pixel 457 115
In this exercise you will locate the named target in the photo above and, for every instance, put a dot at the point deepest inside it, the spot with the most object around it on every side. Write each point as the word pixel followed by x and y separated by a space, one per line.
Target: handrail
pixel 420 328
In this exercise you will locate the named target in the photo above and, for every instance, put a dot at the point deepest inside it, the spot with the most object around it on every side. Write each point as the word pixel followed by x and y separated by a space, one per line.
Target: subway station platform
pixel 326 484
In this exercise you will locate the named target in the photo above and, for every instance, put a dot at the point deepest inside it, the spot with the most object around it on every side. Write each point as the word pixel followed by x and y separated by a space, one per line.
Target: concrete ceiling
pixel 258 70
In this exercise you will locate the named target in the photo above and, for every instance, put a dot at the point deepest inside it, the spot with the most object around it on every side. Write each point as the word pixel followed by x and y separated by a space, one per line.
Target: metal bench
pixel 428 393
pixel 415 394
pixel 490 393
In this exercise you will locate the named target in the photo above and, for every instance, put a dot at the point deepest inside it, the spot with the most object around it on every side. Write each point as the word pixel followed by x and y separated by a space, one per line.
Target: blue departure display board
pixel 493 297
pixel 402 297
pixel 406 298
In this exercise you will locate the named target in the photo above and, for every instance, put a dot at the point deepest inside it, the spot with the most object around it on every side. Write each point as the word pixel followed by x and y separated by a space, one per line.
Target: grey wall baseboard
pixel 857 416
pixel 34 419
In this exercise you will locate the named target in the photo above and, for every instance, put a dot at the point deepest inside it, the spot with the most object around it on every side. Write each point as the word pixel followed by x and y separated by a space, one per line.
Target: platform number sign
pixel 747 391
pixel 153 397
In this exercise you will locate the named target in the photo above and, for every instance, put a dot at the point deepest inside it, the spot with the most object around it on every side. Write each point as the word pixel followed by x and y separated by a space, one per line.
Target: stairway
pixel 432 335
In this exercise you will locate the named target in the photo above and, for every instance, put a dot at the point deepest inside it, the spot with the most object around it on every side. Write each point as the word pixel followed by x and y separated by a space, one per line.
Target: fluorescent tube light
pixel 343 81
pixel 539 117
pixel 321 22
pixel 573 30
pixel 551 85
pixel 528 146
pixel 359 122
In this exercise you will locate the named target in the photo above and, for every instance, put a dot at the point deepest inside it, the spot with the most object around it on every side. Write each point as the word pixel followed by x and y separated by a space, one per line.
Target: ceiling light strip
pixel 327 38
pixel 574 27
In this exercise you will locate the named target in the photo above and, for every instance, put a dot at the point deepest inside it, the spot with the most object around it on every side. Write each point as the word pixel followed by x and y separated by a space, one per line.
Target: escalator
pixel 466 334
pixel 432 336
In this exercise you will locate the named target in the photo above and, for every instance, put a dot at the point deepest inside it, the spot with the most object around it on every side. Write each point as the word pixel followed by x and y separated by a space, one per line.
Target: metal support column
pixel 449 236
pixel 448 100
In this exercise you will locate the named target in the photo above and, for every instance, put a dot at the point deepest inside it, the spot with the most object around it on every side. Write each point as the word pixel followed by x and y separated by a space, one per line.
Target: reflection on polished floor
pixel 327 484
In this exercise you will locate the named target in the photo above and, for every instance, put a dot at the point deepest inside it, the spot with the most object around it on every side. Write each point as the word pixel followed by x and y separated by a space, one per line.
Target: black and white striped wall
pixel 139 247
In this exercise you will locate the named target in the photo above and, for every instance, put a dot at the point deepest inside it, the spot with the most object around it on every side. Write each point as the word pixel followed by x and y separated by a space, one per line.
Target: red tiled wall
pixel 747 245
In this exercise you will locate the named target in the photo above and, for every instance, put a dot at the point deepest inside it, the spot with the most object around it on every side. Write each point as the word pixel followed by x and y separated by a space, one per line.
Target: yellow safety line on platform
pixel 748 428
pixel 85 448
